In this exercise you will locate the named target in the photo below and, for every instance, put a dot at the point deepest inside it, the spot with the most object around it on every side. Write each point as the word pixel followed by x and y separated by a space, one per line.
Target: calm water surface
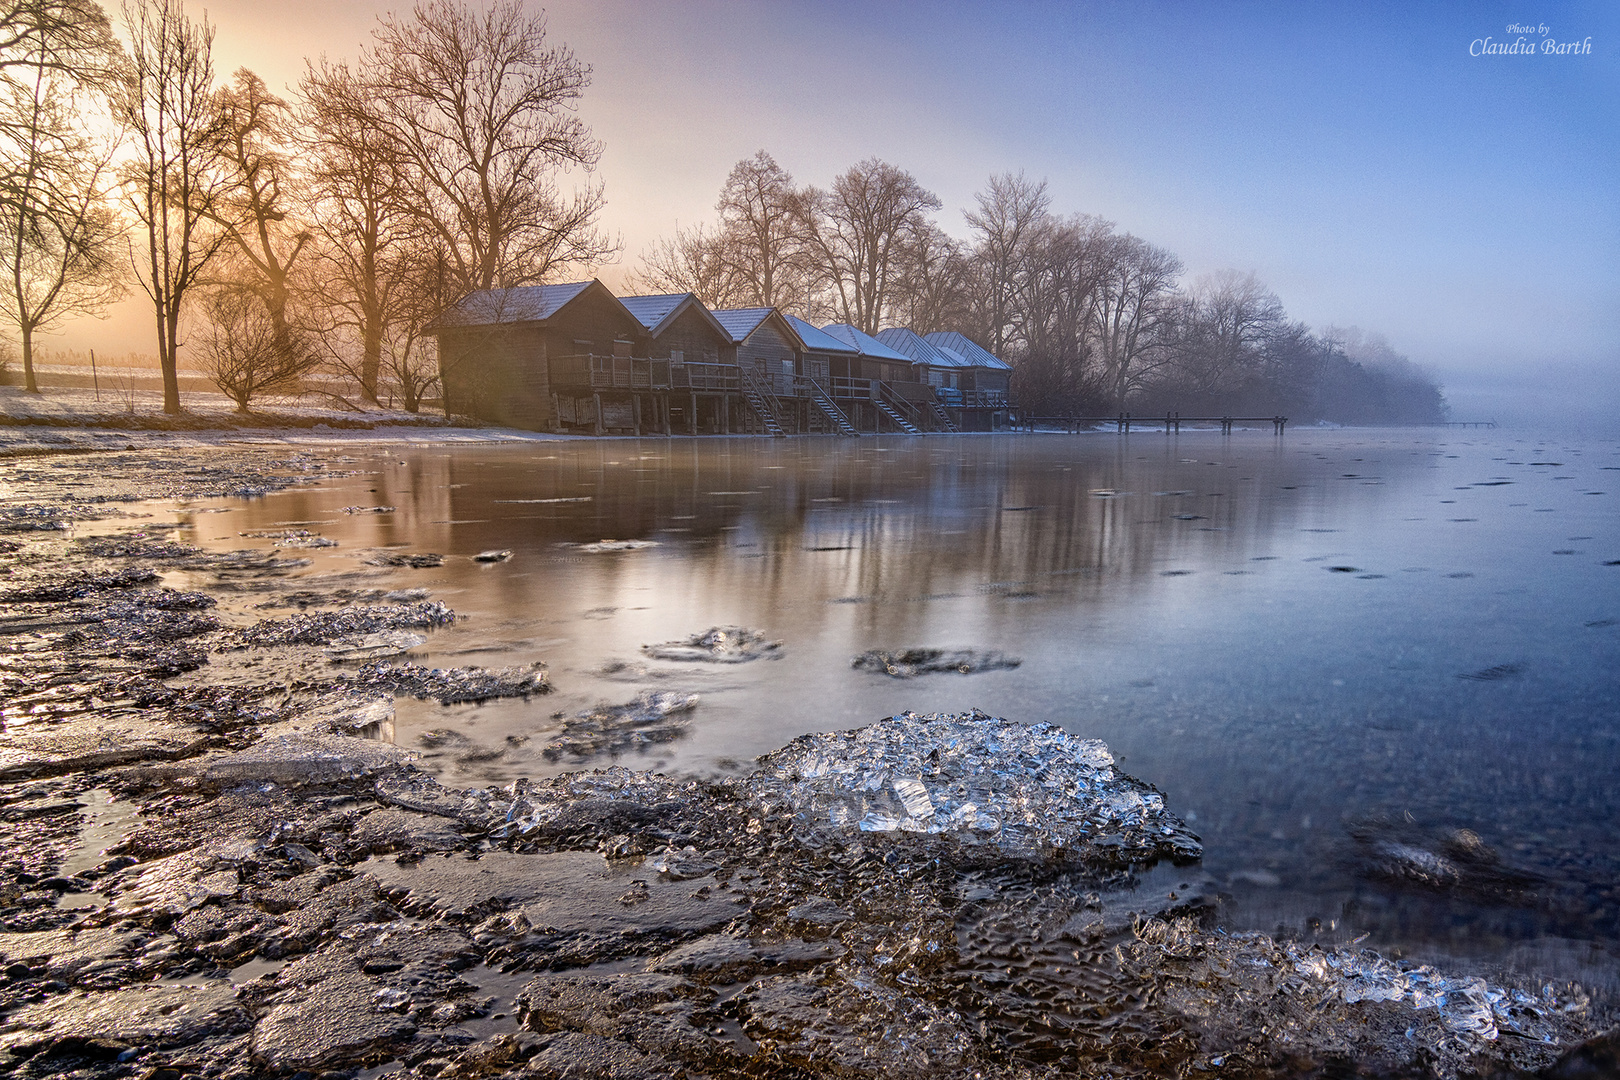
pixel 1300 640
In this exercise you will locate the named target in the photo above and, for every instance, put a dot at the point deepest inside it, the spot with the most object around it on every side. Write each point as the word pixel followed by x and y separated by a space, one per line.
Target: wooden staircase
pixel 835 416
pixel 943 418
pixel 761 402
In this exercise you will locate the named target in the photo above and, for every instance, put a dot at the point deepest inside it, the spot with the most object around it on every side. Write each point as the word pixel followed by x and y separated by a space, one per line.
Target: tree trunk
pixel 370 360
pixel 167 360
pixel 29 383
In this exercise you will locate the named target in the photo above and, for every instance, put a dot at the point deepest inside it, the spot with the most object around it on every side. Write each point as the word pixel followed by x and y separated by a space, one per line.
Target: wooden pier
pixel 1171 422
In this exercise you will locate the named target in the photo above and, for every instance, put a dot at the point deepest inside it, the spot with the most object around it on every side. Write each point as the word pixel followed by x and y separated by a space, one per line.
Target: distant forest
pixel 277 238
pixel 1095 321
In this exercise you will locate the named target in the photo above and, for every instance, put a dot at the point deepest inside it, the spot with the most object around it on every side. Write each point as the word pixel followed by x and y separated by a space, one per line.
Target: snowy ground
pixel 74 419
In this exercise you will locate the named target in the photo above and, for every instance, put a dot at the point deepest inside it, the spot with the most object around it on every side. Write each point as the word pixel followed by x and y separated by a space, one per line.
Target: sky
pixel 1354 156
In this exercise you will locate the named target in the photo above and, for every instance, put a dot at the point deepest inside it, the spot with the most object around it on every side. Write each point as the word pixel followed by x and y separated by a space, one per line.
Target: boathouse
pixel 984 392
pixel 576 358
pixel 520 356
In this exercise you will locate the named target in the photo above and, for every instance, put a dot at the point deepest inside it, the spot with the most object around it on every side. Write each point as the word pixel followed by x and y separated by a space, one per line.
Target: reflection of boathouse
pixel 576 358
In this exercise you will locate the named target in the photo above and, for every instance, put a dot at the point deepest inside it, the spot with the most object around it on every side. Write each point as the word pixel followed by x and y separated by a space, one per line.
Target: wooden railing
pixel 640 373
pixel 591 372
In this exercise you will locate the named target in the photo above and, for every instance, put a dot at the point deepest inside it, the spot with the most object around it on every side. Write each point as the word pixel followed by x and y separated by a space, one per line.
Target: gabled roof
pixel 656 313
pixel 865 344
pixel 964 347
pixel 921 352
pixel 526 303
pixel 740 322
pixel 817 342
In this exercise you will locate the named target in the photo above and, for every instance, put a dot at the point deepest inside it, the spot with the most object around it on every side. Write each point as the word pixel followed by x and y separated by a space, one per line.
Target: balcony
pixel 590 372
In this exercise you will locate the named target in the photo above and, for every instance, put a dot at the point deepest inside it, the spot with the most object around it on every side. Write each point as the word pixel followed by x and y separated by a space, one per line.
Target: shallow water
pixel 1325 648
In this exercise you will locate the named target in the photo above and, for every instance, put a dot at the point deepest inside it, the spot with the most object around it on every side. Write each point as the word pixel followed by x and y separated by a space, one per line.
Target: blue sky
pixel 1355 156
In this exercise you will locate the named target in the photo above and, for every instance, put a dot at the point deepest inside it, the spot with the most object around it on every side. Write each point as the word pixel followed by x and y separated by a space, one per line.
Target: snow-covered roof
pixel 817 342
pixel 740 322
pixel 920 351
pixel 652 310
pixel 655 313
pixel 865 344
pixel 967 349
pixel 525 303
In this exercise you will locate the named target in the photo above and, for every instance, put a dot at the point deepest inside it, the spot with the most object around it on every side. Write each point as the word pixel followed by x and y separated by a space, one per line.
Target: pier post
pixel 692 416
pixel 596 399
pixel 635 412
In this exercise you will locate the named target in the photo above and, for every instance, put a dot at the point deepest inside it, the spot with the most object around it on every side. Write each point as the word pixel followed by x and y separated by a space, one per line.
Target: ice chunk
pixel 914 796
pixel 1032 790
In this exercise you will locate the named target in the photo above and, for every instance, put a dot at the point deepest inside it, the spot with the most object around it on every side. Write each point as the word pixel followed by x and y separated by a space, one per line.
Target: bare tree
pixel 482 110
pixel 253 206
pixel 761 236
pixel 1226 322
pixel 930 289
pixel 1135 303
pixel 166 102
pixel 359 206
pixel 855 233
pixel 246 353
pixel 1050 313
pixel 691 261
pixel 59 238
pixel 1011 210
pixel 70 37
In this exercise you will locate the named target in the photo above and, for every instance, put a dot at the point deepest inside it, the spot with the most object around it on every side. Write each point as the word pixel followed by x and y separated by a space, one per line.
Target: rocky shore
pixel 212 876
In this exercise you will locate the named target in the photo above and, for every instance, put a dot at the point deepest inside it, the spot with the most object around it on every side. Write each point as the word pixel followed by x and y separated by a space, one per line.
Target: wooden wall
pixel 692 335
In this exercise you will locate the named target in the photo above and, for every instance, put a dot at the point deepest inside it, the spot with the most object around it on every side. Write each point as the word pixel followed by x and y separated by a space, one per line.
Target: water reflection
pixel 1324 648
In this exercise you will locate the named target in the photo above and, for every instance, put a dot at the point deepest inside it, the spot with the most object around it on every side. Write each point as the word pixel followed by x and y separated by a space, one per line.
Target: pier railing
pixel 1123 422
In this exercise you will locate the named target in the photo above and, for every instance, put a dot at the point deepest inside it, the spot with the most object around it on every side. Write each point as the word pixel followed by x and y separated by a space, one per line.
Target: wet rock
pixel 818 911
pixel 575 1056
pixel 65 954
pixel 653 717
pixel 614 545
pixel 133 546
pixel 169 887
pixel 909 663
pixel 299 760
pixel 566 892
pixel 657 1014
pixel 718 645
pixel 856 1025
pixel 451 685
pixel 421 792
pixel 1031 792
pixel 311 907
pixel 415 561
pixel 335 1022
pixel 86 743
pixel 79 584
pixel 324 628
pixel 1455 862
pixel 374 646
pixel 382 831
pixel 731 958
pixel 143 1017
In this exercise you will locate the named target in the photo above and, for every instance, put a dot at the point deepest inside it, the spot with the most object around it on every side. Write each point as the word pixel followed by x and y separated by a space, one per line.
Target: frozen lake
pixel 1332 651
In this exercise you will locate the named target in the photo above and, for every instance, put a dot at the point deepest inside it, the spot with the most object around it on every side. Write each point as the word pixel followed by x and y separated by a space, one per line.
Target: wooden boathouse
pixel 576 358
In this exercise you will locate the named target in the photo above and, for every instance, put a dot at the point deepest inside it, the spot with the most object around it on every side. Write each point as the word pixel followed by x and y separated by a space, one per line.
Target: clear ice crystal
pixel 1466 1006
pixel 1029 789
